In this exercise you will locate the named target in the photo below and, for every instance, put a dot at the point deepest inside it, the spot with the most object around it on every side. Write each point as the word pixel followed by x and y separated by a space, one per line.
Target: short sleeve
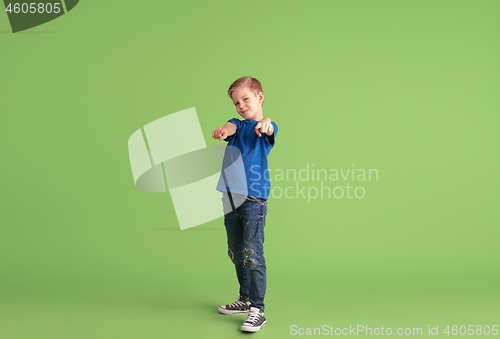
pixel 271 139
pixel 237 123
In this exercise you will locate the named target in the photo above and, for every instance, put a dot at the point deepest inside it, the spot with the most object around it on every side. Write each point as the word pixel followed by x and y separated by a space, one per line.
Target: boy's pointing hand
pixel 264 126
pixel 219 133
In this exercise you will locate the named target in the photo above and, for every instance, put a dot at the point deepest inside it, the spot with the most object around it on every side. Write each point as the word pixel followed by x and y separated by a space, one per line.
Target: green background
pixel 407 87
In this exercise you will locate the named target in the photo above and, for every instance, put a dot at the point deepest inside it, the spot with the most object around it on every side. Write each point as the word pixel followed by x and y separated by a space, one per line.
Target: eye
pixel 246 98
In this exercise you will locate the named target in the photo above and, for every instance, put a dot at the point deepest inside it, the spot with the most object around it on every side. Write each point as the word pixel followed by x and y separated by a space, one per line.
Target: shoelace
pixel 253 318
pixel 237 304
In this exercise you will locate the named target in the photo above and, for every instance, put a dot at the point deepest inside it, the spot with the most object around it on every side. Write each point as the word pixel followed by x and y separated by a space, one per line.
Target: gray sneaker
pixel 255 320
pixel 238 307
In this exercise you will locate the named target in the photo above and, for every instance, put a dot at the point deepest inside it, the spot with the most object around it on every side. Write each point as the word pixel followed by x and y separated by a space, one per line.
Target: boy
pixel 245 206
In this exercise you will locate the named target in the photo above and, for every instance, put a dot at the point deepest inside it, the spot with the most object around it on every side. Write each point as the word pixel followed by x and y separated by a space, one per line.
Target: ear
pixel 261 97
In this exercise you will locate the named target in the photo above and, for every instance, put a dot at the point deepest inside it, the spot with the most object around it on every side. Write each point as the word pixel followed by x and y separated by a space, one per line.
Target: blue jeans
pixel 244 218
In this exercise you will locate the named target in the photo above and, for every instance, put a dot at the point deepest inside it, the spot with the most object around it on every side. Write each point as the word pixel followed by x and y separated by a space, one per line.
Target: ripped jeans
pixel 245 239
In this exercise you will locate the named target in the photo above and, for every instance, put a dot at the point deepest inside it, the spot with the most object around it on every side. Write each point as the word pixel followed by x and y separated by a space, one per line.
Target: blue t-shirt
pixel 250 176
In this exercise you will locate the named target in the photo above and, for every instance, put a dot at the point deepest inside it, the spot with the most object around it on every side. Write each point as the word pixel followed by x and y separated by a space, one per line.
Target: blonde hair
pixel 251 83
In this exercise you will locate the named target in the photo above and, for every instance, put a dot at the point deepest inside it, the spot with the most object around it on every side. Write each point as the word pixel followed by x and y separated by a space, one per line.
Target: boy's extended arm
pixel 222 133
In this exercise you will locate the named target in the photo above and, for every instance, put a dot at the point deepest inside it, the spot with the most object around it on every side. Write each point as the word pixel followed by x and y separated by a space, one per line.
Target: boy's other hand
pixel 264 126
pixel 220 133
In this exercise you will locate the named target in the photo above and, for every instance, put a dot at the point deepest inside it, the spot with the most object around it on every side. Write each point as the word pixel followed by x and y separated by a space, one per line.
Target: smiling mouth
pixel 243 112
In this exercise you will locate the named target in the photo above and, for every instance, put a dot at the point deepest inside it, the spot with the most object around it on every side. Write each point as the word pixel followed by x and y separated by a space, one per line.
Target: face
pixel 247 104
